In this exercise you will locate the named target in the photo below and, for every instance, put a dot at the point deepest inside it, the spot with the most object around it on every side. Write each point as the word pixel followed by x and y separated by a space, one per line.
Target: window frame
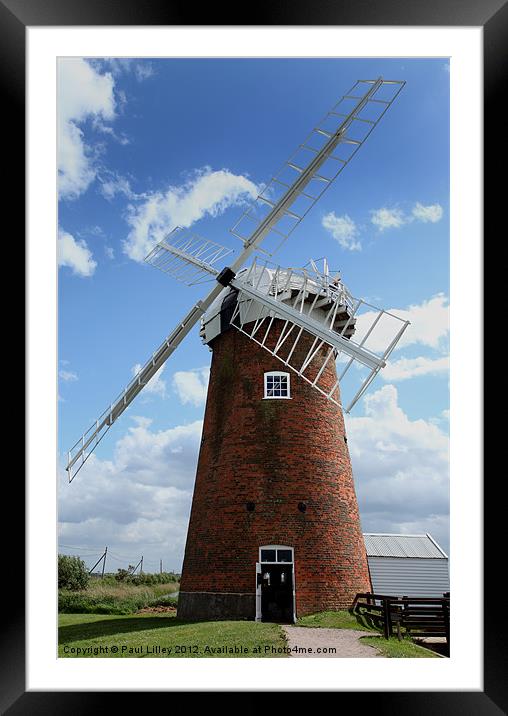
pixel 276 397
pixel 276 548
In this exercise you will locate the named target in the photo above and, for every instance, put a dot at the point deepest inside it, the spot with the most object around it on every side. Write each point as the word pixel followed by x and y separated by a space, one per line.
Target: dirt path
pixel 334 643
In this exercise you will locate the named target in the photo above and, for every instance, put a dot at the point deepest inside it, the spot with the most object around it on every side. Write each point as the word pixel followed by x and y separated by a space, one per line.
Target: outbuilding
pixel 407 565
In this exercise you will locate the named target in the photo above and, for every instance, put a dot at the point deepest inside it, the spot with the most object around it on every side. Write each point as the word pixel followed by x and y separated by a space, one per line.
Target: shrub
pixel 72 573
pixel 165 601
pixel 110 603
pixel 105 604
pixel 125 575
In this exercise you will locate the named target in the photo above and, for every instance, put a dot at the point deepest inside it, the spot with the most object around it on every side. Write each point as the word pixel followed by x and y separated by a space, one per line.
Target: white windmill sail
pixel 320 325
pixel 186 257
pixel 306 175
pixel 287 198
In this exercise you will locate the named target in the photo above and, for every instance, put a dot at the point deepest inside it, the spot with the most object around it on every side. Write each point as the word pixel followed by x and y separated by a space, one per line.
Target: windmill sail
pixel 322 322
pixel 280 207
pixel 187 257
pixel 306 175
pixel 83 448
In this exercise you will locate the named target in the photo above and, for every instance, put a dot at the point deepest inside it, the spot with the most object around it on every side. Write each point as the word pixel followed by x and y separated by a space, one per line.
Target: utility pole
pixel 139 564
pixel 102 557
pixel 161 566
pixel 104 562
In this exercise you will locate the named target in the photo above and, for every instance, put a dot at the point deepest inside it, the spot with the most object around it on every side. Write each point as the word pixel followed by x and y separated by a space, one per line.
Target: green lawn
pixel 156 636
pixel 395 649
pixel 146 635
pixel 334 620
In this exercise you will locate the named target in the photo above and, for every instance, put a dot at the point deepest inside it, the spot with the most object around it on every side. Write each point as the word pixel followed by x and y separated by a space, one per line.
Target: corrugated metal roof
pixel 386 545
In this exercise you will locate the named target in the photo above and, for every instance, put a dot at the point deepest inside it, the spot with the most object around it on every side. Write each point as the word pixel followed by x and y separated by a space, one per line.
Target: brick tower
pixel 274 529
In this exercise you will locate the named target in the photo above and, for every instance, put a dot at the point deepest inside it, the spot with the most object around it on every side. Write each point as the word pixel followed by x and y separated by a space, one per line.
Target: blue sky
pixel 148 144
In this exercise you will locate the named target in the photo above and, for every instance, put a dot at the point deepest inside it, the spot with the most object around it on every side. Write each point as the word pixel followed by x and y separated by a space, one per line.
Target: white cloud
pixel 343 229
pixel 401 468
pixel 158 458
pixel 156 385
pixel 95 231
pixel 405 368
pixel 109 189
pixel 142 69
pixel 431 213
pixel 109 252
pixel 387 218
pixel 429 325
pixel 192 385
pixel 139 500
pixel 83 93
pixel 207 192
pixel 395 218
pixel 75 254
pixel 113 183
pixel 67 376
pixel 442 419
pixel 99 126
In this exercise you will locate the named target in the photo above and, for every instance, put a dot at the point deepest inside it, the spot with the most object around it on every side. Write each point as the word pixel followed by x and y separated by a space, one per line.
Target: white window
pixel 274 553
pixel 277 385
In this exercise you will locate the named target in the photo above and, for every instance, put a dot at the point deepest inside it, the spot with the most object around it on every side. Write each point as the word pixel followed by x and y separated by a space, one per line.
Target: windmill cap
pixel 217 317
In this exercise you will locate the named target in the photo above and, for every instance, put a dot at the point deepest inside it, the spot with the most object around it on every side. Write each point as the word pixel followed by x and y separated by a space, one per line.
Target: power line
pixel 87 554
pixel 92 552
pixel 81 549
pixel 82 556
pixel 120 556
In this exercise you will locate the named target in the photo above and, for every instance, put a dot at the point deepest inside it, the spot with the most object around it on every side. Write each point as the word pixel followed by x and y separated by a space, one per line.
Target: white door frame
pixel 258 592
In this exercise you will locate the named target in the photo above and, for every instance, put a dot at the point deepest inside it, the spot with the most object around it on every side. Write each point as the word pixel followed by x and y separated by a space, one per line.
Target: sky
pixel 149 144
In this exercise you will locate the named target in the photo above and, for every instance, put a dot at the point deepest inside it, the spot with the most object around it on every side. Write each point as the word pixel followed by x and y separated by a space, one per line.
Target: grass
pixel 395 649
pixel 335 620
pixel 164 635
pixel 144 635
pixel 105 597
pixel 121 590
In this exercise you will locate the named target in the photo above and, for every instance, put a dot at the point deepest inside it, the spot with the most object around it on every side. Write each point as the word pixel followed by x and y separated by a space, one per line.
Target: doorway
pixel 275 585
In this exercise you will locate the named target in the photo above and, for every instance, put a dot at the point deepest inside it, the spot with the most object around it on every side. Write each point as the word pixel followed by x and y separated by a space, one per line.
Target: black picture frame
pixel 492 16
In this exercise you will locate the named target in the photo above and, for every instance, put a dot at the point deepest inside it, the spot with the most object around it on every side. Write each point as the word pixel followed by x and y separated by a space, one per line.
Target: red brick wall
pixel 275 453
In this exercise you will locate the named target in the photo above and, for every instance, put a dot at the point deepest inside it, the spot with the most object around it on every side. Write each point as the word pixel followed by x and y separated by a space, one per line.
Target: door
pixel 275 588
pixel 277 593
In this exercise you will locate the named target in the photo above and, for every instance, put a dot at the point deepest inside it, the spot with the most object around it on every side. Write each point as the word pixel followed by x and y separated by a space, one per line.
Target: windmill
pixel 274 524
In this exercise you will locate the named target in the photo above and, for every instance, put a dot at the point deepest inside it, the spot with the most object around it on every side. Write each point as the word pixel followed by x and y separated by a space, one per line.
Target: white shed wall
pixel 399 576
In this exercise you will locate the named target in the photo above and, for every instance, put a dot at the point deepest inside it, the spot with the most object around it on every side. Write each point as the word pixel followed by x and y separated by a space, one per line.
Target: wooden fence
pixel 414 616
